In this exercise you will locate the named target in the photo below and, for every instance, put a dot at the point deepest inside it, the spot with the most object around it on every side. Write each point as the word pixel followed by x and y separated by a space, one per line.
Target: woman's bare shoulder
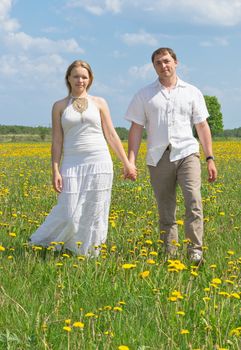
pixel 99 101
pixel 61 104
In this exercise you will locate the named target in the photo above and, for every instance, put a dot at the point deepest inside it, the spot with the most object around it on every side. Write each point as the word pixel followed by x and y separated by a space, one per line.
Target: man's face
pixel 165 65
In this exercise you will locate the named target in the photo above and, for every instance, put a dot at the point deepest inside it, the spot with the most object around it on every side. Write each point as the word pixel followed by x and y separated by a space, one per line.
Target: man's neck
pixel 169 83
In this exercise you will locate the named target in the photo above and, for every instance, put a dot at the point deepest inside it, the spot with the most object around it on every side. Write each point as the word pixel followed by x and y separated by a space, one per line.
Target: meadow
pixel 131 296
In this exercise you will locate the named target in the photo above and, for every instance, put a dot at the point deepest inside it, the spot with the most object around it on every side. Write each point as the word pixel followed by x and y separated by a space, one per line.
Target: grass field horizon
pixel 131 296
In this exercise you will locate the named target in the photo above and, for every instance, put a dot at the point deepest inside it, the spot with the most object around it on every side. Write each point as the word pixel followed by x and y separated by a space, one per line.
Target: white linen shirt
pixel 168 117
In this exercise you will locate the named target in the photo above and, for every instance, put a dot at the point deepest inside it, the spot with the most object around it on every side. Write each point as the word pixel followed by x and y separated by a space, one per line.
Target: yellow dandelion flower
pixel 123 347
pixel 80 257
pixel 235 295
pixel 222 213
pixel 67 329
pixel 68 321
pixel 182 313
pixel 121 302
pixel 216 281
pixel 144 274
pixel 2 249
pixel 176 264
pixel 206 299
pixel 149 241
pixel 180 222
pixel 194 273
pixel 90 314
pixel 151 262
pixel 213 266
pixel 230 252
pixel 225 294
pixel 65 255
pixel 78 325
pixel 153 253
pixel 107 307
pixel 172 298
pixel 236 332
pixel 35 248
pixel 177 294
pixel 12 234
pixel 128 266
pixel 117 308
pixel 184 331
pixel 229 281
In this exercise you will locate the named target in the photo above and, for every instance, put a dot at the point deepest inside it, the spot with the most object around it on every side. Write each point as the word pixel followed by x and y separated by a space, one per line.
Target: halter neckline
pixel 75 97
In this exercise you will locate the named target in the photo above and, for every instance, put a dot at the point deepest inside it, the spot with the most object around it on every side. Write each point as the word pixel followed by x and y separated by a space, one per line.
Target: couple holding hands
pixel 82 167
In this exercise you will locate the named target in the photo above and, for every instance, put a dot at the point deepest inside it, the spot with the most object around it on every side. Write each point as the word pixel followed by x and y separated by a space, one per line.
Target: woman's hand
pixel 130 171
pixel 57 182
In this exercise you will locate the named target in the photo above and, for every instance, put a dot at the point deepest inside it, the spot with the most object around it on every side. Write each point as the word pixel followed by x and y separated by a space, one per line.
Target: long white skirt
pixel 79 221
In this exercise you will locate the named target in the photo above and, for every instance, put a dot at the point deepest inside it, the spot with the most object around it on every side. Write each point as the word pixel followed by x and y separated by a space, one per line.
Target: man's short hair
pixel 163 50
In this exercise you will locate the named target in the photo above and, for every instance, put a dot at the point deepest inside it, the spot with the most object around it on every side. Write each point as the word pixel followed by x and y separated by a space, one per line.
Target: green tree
pixel 215 120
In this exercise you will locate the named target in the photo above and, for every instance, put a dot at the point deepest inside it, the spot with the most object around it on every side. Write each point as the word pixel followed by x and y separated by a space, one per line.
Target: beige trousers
pixel 165 177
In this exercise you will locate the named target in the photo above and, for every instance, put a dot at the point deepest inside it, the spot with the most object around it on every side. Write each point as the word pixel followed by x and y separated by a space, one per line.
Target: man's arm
pixel 205 138
pixel 134 141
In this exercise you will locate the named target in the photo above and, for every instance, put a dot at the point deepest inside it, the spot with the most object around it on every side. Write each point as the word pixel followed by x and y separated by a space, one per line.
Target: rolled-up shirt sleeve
pixel 136 111
pixel 200 111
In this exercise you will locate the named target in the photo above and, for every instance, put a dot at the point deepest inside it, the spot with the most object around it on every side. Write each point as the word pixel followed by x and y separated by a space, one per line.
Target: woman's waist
pixel 81 145
pixel 90 155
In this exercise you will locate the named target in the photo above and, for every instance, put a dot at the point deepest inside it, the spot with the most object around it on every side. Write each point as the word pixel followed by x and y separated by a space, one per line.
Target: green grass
pixel 41 291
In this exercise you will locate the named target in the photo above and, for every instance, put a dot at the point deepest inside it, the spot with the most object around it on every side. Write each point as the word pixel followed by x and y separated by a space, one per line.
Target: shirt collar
pixel 180 83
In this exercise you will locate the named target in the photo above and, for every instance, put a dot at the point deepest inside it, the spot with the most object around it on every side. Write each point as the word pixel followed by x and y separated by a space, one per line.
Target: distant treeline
pixel 44 133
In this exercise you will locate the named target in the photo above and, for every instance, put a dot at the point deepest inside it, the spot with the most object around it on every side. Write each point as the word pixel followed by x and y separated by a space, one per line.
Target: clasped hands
pixel 130 172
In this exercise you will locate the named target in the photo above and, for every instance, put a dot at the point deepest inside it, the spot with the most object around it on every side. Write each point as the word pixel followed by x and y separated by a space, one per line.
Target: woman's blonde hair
pixel 75 64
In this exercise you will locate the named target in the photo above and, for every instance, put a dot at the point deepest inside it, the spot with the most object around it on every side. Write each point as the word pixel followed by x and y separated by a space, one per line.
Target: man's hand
pixel 212 171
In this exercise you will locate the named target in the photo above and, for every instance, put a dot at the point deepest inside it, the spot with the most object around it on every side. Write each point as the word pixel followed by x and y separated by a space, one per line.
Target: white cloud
pixel 22 41
pixel 97 7
pixel 211 12
pixel 221 12
pixel 7 23
pixel 143 72
pixel 22 66
pixel 118 54
pixel 139 38
pixel 101 89
pixel 221 41
pixel 113 5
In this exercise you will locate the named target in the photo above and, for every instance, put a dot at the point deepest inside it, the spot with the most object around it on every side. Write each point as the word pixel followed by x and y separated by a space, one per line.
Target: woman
pixel 80 125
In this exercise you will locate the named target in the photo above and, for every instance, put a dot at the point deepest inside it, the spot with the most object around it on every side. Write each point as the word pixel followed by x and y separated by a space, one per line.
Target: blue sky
pixel 39 39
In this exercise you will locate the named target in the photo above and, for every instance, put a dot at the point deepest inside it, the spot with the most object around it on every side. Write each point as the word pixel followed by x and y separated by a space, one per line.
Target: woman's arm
pixel 114 140
pixel 57 145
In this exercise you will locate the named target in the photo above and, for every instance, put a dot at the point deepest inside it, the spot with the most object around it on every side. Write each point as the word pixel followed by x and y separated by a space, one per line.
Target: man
pixel 168 109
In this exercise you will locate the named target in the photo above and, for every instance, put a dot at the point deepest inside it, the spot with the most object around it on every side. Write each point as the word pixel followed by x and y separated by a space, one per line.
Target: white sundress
pixel 82 210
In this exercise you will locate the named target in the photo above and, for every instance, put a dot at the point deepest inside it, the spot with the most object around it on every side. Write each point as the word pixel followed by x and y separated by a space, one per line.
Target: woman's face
pixel 79 80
